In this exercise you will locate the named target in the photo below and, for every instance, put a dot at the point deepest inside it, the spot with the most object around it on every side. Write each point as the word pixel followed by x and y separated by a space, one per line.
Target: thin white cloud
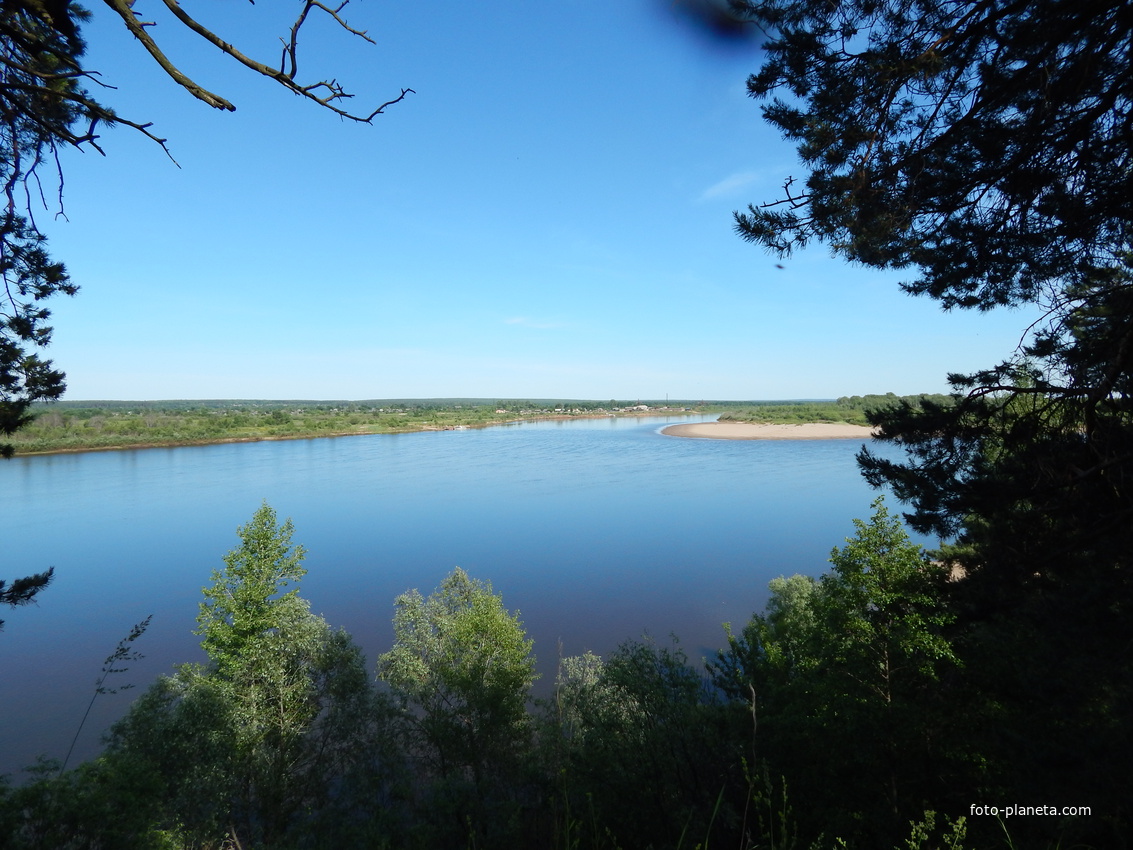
pixel 729 185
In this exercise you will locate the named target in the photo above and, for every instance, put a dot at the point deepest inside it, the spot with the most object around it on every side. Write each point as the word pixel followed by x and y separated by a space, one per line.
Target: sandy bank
pixel 750 431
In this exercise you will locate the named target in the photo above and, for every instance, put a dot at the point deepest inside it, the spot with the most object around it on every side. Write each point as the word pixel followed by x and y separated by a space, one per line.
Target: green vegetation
pixel 852 663
pixel 48 108
pixel 982 149
pixel 461 670
pixel 845 691
pixel 267 741
pixel 83 426
pixel 851 410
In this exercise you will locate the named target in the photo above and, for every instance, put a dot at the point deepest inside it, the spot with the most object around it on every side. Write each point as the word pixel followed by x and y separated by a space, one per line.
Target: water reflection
pixel 596 530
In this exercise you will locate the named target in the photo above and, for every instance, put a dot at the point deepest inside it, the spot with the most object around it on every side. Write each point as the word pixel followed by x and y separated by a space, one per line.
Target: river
pixel 597 531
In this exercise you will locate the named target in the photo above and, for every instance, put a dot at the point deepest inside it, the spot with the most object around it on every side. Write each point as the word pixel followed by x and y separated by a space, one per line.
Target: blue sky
pixel 548 216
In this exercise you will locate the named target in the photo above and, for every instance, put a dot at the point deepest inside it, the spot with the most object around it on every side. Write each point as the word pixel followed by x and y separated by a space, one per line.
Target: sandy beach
pixel 751 431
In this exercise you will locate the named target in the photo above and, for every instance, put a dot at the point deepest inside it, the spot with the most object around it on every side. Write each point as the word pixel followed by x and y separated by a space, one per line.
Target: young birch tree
pixel 258 741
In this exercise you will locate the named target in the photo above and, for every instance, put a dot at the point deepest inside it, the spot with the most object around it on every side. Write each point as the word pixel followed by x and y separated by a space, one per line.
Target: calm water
pixel 596 530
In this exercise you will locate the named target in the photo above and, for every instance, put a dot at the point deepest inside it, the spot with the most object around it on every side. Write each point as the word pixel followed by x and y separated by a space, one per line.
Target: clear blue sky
pixel 548 216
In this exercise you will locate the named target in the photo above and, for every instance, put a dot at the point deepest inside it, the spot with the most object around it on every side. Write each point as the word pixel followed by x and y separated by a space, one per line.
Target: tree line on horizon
pixel 851 410
pixel 982 150
pixel 78 426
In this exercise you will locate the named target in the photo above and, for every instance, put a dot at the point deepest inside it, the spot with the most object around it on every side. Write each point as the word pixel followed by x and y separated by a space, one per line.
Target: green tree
pixel 461 667
pixel 249 596
pixel 844 674
pixel 44 106
pixel 645 750
pixel 983 149
pixel 272 734
pixel 775 647
pixel 982 144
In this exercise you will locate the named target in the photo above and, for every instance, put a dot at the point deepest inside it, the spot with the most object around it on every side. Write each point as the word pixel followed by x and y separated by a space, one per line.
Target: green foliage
pixel 1031 473
pixel 95 806
pixel 647 755
pixel 852 410
pixel 461 667
pixel 843 675
pixel 845 689
pixel 22 591
pixel 42 100
pixel 883 603
pixel 795 413
pixel 248 597
pixel 922 833
pixel 73 426
pixel 983 148
pixel 29 278
pixel 280 734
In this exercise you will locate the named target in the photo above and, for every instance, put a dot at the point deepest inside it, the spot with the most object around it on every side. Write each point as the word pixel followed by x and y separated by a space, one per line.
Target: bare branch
pixel 290 47
pixel 124 9
pixel 323 92
pixel 794 201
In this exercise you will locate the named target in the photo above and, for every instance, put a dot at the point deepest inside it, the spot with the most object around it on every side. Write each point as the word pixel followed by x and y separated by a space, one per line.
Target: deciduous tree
pixel 250 596
pixel 982 148
pixel 462 668
pixel 272 731
pixel 645 749
pixel 844 675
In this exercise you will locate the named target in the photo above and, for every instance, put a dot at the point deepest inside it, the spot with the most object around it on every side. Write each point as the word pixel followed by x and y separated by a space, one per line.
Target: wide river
pixel 597 531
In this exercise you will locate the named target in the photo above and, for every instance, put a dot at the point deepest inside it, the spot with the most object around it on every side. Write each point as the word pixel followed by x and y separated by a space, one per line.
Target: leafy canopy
pixel 264 736
pixel 983 144
pixel 464 664
pixel 876 619
pixel 843 674
pixel 984 148
pixel 248 597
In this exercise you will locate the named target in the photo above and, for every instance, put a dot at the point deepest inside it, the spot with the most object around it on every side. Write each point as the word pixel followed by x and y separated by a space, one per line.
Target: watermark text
pixel 1028 811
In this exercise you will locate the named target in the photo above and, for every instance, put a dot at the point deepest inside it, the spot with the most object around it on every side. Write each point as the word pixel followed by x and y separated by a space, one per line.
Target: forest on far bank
pixel 67 426
pixel 976 696
pixel 851 410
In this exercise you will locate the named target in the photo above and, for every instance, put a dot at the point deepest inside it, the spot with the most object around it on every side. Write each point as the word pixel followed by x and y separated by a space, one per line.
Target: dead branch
pixel 124 10
pixel 326 93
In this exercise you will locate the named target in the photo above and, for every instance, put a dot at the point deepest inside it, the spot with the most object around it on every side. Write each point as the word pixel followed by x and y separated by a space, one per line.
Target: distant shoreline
pixel 417 428
pixel 754 431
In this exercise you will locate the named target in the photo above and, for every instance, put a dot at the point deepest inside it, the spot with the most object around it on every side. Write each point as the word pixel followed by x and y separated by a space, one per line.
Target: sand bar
pixel 751 431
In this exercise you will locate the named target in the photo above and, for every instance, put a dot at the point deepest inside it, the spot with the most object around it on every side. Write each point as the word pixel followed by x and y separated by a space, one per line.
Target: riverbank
pixel 753 431
pixel 72 443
